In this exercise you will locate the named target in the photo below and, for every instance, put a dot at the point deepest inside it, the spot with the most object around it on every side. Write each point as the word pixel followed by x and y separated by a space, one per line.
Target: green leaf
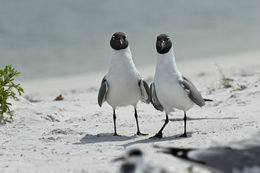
pixel 7 90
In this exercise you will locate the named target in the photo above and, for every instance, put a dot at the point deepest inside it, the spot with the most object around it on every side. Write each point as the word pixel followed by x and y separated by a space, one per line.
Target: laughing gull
pixel 170 89
pixel 235 158
pixel 134 161
pixel 122 85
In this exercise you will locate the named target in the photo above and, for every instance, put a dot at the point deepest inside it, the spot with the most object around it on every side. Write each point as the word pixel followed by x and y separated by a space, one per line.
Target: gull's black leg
pixel 114 118
pixel 185 118
pixel 137 124
pixel 159 134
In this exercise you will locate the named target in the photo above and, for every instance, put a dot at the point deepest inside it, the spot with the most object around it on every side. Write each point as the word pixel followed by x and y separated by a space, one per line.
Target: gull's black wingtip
pixel 100 104
pixel 208 100
pixel 182 153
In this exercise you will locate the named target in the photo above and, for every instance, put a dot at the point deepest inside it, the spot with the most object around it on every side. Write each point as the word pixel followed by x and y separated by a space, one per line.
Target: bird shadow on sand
pixel 152 139
pixel 197 119
pixel 103 137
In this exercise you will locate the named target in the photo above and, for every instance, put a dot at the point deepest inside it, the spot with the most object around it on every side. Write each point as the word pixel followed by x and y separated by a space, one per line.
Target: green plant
pixel 7 90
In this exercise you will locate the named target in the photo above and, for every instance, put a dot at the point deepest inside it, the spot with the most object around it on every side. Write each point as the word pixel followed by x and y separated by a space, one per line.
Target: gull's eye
pixel 124 37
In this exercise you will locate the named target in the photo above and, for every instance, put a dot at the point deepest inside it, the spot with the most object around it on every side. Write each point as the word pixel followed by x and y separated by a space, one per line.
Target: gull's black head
pixel 118 41
pixel 135 152
pixel 128 167
pixel 163 44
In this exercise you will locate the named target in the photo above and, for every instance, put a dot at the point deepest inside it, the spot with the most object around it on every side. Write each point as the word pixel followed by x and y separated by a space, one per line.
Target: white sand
pixel 75 135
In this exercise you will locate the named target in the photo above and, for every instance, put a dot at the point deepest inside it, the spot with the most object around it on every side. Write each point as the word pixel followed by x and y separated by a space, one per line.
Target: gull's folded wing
pixel 156 104
pixel 102 92
pixel 192 91
pixel 145 92
pixel 222 159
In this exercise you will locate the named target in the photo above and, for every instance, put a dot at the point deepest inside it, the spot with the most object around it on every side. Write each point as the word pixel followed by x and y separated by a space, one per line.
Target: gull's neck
pixel 167 62
pixel 121 59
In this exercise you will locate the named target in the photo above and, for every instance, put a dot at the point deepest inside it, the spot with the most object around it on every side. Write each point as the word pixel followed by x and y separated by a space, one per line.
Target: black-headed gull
pixel 170 89
pixel 122 85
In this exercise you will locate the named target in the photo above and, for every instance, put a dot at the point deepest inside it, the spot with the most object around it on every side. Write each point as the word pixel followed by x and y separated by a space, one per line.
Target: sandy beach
pixel 76 135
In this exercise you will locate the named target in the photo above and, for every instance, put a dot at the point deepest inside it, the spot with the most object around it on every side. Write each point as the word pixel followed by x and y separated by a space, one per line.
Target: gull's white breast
pixel 123 80
pixel 169 91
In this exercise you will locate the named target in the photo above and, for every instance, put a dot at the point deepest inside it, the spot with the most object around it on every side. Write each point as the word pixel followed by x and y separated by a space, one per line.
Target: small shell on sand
pixel 59 98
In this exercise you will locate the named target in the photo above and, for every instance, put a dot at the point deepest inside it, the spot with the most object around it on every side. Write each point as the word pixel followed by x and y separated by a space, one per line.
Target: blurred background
pixel 50 38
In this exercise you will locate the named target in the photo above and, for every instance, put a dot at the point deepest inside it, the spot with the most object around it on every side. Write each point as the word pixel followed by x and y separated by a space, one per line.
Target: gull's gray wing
pixel 154 99
pixel 102 92
pixel 192 91
pixel 145 92
pixel 224 159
